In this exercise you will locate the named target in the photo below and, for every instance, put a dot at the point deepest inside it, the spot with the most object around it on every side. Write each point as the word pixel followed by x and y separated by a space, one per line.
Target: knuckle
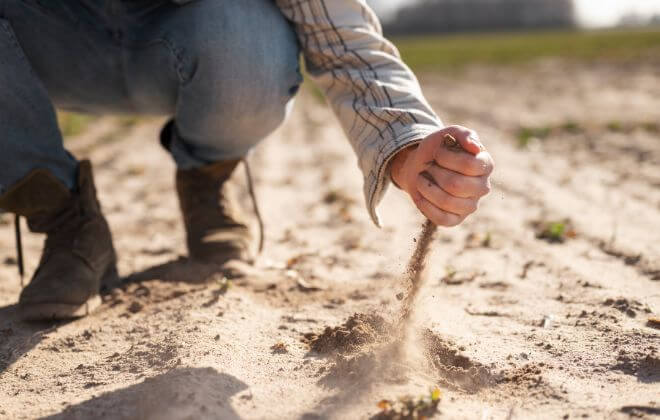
pixel 454 185
pixel 438 153
pixel 475 168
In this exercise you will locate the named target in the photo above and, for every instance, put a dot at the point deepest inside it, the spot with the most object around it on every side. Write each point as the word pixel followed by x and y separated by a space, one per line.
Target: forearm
pixel 373 93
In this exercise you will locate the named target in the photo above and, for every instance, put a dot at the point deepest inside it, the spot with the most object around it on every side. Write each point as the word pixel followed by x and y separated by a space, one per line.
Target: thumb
pixel 467 142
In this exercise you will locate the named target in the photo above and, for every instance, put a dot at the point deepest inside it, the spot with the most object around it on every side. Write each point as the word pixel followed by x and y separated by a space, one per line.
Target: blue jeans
pixel 225 71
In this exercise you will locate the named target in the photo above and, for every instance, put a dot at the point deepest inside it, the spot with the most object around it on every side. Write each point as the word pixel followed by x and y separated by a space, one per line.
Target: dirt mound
pixel 649 369
pixel 357 331
pixel 645 367
pixel 629 307
pixel 455 368
pixel 527 381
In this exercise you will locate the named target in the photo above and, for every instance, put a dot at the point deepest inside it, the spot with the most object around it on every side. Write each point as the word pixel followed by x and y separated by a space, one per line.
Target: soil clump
pixel 358 331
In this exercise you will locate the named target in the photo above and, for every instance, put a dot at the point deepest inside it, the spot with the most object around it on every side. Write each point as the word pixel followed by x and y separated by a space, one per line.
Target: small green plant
pixel 409 408
pixel 72 124
pixel 224 285
pixel 651 127
pixel 615 126
pixel 554 231
pixel 487 241
pixel 127 121
pixel 450 272
pixel 479 240
pixel 571 127
pixel 527 134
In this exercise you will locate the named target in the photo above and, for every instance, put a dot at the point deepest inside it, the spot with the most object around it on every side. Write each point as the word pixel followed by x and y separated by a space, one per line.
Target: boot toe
pixel 63 294
pixel 219 248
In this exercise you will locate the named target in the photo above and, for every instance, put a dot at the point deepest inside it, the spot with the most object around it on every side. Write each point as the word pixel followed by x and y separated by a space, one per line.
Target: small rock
pixel 135 307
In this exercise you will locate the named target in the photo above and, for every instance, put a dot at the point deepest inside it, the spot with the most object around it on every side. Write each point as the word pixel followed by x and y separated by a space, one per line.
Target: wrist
pixel 398 164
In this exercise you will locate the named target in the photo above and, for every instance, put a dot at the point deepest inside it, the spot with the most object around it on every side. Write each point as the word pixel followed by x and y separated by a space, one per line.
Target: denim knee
pixel 243 77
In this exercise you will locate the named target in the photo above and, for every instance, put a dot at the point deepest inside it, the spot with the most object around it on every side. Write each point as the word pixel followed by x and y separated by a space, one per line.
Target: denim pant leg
pixel 240 85
pixel 226 71
pixel 28 125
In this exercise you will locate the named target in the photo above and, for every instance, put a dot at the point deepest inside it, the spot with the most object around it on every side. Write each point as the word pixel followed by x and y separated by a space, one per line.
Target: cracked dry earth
pixel 508 325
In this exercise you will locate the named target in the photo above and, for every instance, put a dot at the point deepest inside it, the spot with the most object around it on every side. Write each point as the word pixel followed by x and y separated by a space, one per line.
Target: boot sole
pixel 63 311
pixel 58 311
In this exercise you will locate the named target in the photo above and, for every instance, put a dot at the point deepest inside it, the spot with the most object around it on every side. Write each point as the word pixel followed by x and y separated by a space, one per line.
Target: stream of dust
pixel 415 270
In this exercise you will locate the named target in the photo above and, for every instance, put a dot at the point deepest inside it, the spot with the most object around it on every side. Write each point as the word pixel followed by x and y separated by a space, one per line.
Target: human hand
pixel 445 181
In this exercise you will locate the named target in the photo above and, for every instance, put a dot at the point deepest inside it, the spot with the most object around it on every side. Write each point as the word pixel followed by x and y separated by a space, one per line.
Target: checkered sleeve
pixel 375 96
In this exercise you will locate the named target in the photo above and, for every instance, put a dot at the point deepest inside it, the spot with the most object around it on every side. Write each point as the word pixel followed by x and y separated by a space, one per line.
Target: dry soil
pixel 508 325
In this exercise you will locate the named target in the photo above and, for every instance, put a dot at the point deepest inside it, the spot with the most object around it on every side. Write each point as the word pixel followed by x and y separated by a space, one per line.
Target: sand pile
pixel 358 331
pixel 458 370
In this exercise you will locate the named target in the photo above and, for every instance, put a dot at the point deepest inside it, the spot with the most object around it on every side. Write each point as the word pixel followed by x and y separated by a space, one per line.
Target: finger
pixel 436 215
pixel 468 139
pixel 439 139
pixel 441 199
pixel 480 164
pixel 459 185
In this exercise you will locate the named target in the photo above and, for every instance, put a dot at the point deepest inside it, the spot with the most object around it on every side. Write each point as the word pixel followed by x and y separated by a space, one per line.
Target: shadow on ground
pixel 194 393
pixel 179 270
pixel 18 337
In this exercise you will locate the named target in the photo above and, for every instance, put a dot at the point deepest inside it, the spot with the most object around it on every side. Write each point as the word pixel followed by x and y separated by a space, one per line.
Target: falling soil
pixel 361 329
pixel 415 269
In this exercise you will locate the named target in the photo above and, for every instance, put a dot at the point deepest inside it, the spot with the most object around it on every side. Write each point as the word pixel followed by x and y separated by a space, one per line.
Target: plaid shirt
pixel 375 96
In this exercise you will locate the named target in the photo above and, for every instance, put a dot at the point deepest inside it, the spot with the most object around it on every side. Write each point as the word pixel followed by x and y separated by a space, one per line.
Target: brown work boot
pixel 78 254
pixel 215 229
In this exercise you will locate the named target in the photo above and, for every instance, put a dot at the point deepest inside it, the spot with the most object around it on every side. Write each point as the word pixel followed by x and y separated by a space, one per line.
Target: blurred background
pixel 451 33
pixel 479 15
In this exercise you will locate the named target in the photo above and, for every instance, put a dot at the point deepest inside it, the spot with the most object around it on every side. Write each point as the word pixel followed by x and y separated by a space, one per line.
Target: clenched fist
pixel 445 181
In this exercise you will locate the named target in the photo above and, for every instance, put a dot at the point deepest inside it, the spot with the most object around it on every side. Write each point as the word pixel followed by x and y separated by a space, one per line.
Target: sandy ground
pixel 512 326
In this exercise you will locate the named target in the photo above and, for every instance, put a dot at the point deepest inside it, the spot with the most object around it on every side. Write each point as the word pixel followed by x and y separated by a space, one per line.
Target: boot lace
pixel 19 249
pixel 253 197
